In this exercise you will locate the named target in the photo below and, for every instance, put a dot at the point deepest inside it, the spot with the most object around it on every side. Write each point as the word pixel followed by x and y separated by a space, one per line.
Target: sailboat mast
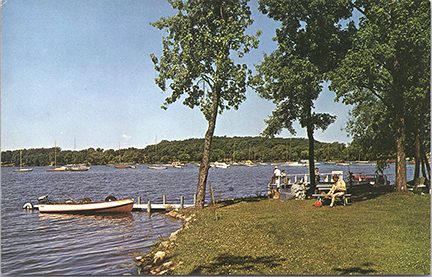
pixel 55 154
pixel 156 148
pixel 119 154
pixel 20 156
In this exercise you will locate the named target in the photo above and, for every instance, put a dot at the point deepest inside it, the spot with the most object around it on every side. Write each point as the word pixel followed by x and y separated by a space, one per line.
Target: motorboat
pixel 109 205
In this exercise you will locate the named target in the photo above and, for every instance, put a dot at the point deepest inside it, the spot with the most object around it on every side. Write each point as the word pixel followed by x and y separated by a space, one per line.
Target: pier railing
pixel 304 177
pixel 164 206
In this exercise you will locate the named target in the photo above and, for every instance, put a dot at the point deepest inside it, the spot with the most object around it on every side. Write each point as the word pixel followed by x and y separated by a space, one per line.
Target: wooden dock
pixel 160 207
pixel 164 206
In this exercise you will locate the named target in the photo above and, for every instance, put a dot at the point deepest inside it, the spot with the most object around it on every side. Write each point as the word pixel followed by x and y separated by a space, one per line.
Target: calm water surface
pixel 56 244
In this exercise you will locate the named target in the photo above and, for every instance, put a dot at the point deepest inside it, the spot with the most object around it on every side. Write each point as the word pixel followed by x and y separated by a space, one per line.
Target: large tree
pixel 197 55
pixel 390 63
pixel 293 85
pixel 310 43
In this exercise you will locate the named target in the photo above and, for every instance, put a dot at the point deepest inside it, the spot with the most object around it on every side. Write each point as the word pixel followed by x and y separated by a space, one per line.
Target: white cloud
pixel 126 137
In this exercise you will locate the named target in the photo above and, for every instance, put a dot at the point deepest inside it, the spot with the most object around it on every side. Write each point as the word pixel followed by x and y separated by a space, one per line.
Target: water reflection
pixel 109 218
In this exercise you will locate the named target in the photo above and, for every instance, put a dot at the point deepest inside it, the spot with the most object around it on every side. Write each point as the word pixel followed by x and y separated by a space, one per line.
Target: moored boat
pixel 110 205
pixel 63 168
pixel 79 167
pixel 178 164
pixel 125 166
pixel 158 167
pixel 22 169
pixel 220 165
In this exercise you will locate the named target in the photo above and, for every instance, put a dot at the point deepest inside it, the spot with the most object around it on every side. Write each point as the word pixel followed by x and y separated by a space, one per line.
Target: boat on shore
pixel 109 205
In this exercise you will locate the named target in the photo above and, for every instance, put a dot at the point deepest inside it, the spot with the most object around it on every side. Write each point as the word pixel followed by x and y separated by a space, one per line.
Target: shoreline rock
pixel 157 261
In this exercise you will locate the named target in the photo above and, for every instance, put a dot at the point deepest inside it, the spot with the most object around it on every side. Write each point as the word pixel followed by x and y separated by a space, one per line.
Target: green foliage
pixel 197 51
pixel 386 73
pixel 311 41
pixel 271 237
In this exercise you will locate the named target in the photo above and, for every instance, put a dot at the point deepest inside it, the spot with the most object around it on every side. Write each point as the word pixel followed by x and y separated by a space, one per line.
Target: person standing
pixel 276 176
pixel 317 177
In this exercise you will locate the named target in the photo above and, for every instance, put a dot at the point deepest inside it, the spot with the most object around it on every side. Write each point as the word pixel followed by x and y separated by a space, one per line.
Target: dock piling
pixel 149 206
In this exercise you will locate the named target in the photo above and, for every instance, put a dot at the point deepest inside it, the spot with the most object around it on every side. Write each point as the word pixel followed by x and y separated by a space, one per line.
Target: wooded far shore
pixel 224 149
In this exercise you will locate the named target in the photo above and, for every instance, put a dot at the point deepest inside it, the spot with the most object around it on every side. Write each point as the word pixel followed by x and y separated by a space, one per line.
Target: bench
pixel 325 187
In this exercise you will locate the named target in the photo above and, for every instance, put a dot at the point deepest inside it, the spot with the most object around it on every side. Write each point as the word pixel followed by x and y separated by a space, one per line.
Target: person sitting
pixel 338 189
pixel 284 177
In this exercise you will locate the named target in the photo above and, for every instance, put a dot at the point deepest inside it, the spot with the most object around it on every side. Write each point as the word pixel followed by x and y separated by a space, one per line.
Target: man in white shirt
pixel 277 176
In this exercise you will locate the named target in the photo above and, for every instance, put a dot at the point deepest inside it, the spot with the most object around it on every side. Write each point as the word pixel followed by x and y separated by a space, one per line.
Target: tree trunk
pixel 400 168
pixel 312 186
pixel 205 163
pixel 426 164
pixel 417 156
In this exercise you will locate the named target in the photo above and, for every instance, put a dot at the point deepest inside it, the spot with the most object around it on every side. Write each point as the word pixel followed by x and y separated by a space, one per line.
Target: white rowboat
pixel 115 206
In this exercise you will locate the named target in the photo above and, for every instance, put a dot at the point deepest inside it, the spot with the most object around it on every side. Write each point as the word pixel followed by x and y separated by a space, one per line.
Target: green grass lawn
pixel 384 234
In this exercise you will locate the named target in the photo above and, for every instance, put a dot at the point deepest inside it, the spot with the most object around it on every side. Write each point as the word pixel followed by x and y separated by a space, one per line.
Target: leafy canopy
pixel 196 53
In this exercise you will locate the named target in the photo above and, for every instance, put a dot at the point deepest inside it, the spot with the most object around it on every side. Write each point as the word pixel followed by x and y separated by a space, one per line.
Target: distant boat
pixel 295 164
pixel 343 164
pixel 22 169
pixel 157 167
pixel 120 165
pixel 56 169
pixel 110 205
pixel 178 164
pixel 63 168
pixel 219 165
pixel 125 166
pixel 250 163
pixel 79 167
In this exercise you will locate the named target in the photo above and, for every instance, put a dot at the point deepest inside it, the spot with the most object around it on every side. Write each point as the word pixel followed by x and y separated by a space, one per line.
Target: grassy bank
pixel 380 233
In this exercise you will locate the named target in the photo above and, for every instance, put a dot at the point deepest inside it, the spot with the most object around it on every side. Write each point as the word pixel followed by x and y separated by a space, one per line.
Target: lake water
pixel 56 244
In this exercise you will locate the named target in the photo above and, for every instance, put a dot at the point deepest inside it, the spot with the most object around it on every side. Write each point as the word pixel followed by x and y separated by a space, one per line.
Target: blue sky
pixel 80 70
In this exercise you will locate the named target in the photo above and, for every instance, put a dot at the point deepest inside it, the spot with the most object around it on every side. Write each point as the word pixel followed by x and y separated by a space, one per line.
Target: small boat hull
pixel 157 167
pixel 125 166
pixel 23 170
pixel 58 169
pixel 116 206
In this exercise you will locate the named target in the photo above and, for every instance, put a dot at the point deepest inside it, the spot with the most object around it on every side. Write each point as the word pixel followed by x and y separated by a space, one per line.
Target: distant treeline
pixel 227 149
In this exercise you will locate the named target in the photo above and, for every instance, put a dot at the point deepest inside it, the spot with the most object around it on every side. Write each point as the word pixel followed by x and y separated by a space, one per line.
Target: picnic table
pixel 324 188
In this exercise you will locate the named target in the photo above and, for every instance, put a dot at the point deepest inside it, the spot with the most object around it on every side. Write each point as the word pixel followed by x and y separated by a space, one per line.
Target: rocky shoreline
pixel 158 262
